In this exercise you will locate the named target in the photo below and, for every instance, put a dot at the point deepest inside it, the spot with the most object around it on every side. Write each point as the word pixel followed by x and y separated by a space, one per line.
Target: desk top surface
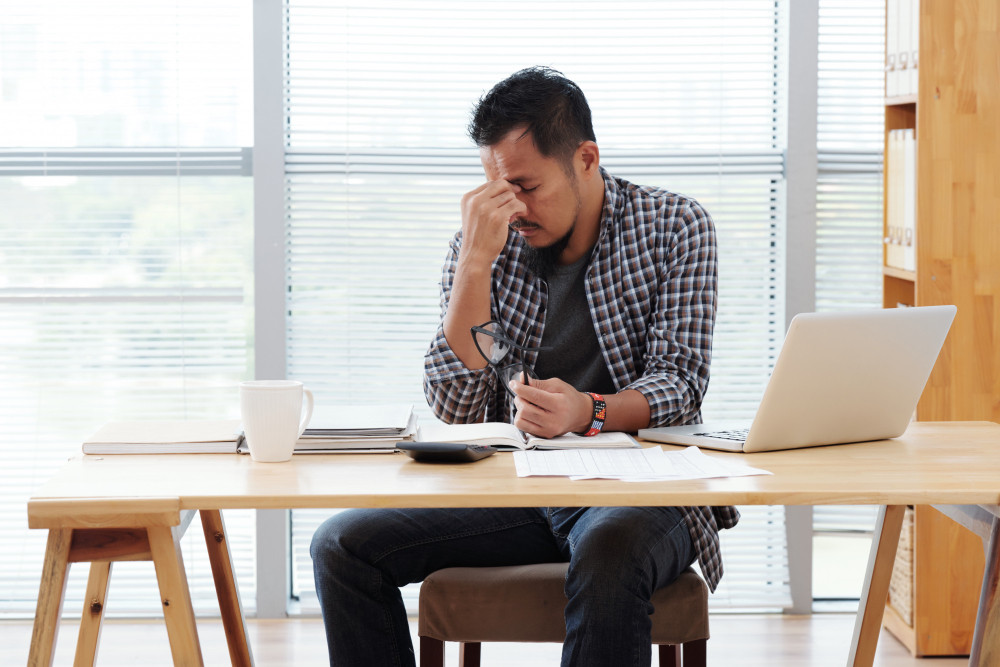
pixel 940 462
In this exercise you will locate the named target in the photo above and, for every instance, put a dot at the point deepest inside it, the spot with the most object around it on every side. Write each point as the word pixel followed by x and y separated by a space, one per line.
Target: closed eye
pixel 524 189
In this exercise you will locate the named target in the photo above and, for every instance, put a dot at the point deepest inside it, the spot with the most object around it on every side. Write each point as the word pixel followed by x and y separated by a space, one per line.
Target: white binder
pixel 909 239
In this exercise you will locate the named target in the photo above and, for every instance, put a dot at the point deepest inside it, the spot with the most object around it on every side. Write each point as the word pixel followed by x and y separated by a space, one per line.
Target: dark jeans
pixel 618 556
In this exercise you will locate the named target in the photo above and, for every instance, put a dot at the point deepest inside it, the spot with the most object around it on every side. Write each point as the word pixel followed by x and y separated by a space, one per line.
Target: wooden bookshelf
pixel 954 114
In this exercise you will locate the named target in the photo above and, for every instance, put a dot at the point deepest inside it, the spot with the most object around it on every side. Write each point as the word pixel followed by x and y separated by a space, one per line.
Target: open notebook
pixel 507 436
pixel 840 377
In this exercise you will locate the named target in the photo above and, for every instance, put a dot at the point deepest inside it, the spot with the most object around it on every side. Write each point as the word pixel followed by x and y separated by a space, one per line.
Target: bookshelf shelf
pixel 899 274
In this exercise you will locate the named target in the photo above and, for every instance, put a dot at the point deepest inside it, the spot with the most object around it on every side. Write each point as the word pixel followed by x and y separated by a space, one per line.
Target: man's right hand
pixel 486 211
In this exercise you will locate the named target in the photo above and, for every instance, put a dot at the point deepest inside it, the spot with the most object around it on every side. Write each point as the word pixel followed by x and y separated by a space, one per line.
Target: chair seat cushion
pixel 525 603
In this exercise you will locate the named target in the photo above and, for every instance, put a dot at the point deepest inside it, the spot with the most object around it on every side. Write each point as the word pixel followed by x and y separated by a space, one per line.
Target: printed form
pixel 630 465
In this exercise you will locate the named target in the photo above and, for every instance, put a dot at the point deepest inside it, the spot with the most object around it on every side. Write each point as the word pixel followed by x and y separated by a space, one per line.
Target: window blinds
pixel 126 226
pixel 849 126
pixel 849 190
pixel 685 95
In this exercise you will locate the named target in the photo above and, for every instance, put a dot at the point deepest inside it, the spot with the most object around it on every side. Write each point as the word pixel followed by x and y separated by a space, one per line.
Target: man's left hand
pixel 550 408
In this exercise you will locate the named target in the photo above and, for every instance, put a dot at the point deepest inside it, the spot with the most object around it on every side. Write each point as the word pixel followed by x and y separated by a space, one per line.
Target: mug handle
pixel 309 411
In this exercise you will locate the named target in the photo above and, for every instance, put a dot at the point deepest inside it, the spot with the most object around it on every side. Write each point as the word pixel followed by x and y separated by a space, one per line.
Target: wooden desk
pixel 107 508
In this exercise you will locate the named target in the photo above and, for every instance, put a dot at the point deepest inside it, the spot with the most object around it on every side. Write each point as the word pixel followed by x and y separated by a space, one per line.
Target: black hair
pixel 552 107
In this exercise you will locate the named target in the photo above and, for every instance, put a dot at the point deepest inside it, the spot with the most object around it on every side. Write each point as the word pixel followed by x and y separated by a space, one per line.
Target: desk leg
pixel 93 613
pixel 876 588
pixel 986 639
pixel 175 596
pixel 51 592
pixel 226 589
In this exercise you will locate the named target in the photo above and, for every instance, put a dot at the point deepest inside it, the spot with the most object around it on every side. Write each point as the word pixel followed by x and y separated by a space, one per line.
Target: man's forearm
pixel 468 306
pixel 627 410
pixel 551 407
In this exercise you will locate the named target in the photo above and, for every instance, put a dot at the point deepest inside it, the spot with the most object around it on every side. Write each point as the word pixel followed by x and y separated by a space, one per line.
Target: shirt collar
pixel 612 202
pixel 612 198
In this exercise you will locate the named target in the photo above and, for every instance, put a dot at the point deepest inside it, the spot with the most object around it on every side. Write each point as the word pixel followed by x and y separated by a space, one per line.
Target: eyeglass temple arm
pixel 508 342
pixel 525 348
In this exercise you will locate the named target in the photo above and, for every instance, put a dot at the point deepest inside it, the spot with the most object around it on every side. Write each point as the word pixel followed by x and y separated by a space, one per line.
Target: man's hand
pixel 550 408
pixel 486 211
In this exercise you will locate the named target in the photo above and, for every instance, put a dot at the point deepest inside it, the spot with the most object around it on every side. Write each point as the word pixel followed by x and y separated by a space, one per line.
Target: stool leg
pixel 175 596
pixel 696 653
pixel 670 655
pixel 469 654
pixel 225 588
pixel 51 592
pixel 431 652
pixel 94 602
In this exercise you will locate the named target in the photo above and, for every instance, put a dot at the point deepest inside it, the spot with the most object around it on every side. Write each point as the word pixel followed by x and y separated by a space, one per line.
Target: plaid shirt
pixel 651 284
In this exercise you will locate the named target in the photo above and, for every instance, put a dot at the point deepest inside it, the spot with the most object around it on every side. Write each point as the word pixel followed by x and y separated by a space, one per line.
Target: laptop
pixel 840 377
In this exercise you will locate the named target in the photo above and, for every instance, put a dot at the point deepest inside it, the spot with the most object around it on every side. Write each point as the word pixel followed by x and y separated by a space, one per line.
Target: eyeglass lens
pixel 514 372
pixel 492 349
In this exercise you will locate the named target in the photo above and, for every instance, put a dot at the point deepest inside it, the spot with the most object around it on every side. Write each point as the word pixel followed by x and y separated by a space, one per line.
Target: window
pixel 848 234
pixel 125 261
pixel 685 95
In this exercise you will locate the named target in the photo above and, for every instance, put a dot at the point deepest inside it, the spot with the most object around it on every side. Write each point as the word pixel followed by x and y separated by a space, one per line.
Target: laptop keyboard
pixel 739 435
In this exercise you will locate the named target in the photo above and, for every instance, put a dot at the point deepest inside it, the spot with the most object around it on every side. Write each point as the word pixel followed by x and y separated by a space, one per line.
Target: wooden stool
pixel 525 603
pixel 154 529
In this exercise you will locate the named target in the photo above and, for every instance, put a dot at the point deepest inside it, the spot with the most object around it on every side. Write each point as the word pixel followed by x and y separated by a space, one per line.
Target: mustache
pixel 522 223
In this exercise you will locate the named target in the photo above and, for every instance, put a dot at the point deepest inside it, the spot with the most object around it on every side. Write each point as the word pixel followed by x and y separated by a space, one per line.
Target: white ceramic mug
pixel 273 418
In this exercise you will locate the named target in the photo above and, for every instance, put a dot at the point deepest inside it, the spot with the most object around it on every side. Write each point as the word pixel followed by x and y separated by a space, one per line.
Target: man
pixel 608 291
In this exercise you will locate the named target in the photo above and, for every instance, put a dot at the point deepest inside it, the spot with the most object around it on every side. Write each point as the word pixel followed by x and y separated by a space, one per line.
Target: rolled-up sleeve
pixel 455 393
pixel 678 350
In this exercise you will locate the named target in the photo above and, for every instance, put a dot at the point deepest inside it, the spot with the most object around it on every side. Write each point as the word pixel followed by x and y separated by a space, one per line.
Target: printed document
pixel 630 465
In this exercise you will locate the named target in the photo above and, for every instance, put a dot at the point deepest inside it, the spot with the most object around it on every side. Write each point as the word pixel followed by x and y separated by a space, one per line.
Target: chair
pixel 525 603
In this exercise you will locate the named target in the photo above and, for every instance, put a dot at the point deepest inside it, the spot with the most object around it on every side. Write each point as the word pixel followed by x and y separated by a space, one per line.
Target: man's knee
pixel 611 542
pixel 604 561
pixel 337 539
pixel 627 552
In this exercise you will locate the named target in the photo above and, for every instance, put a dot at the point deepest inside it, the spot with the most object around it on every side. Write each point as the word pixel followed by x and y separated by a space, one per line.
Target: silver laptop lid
pixel 848 376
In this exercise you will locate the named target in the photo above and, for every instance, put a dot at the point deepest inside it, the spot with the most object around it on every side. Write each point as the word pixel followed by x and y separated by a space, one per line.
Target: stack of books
pixel 356 428
pixel 222 436
pixel 351 428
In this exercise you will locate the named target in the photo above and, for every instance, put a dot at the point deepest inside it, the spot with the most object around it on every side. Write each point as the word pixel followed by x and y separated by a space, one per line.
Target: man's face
pixel 551 195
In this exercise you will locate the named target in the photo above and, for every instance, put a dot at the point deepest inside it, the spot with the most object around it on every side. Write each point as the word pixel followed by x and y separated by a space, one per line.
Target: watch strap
pixel 600 414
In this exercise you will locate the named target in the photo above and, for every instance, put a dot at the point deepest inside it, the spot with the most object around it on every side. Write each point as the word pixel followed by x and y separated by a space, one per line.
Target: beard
pixel 541 261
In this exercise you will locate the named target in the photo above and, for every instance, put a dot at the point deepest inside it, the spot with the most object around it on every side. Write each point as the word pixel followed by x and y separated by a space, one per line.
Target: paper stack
pixel 354 428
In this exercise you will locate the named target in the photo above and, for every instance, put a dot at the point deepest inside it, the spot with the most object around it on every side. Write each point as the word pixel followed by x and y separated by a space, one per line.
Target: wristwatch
pixel 600 413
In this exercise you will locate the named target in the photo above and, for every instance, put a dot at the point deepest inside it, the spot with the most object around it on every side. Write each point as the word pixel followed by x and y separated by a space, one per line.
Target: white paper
pixel 592 462
pixel 630 465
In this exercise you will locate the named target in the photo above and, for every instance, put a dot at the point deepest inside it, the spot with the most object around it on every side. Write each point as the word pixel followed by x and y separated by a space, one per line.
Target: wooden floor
pixel 819 640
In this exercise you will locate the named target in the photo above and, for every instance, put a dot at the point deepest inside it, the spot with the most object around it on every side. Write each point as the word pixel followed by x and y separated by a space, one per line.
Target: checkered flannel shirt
pixel 651 284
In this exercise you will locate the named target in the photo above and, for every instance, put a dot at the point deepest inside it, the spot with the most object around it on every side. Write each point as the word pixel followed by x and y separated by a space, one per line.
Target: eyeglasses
pixel 495 346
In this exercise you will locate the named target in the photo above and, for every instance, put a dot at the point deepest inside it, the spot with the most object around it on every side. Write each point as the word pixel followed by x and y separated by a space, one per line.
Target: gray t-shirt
pixel 576 355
